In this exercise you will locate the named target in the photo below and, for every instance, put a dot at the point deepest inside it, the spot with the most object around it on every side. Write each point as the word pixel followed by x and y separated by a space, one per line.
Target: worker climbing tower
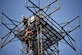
pixel 39 34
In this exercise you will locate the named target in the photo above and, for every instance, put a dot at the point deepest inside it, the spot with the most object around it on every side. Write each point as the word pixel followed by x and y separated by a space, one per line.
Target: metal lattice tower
pixel 46 31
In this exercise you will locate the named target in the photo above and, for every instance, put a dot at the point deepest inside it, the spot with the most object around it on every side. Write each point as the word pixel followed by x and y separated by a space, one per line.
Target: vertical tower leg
pixel 38 41
pixel 41 40
pixel 29 47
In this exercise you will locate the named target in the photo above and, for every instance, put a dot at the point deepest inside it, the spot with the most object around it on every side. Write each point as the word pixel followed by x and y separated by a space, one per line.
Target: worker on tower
pixel 26 36
pixel 28 32
pixel 24 21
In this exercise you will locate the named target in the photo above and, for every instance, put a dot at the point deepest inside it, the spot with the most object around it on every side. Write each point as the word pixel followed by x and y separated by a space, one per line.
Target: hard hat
pixel 23 16
pixel 26 29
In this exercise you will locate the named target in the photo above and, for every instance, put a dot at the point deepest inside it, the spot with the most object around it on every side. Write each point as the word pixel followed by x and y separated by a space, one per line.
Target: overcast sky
pixel 69 9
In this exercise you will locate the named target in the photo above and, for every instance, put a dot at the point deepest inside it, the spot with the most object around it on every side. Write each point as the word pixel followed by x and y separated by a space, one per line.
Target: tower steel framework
pixel 46 31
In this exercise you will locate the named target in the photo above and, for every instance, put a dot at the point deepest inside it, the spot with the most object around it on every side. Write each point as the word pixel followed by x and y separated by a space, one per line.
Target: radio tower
pixel 43 32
